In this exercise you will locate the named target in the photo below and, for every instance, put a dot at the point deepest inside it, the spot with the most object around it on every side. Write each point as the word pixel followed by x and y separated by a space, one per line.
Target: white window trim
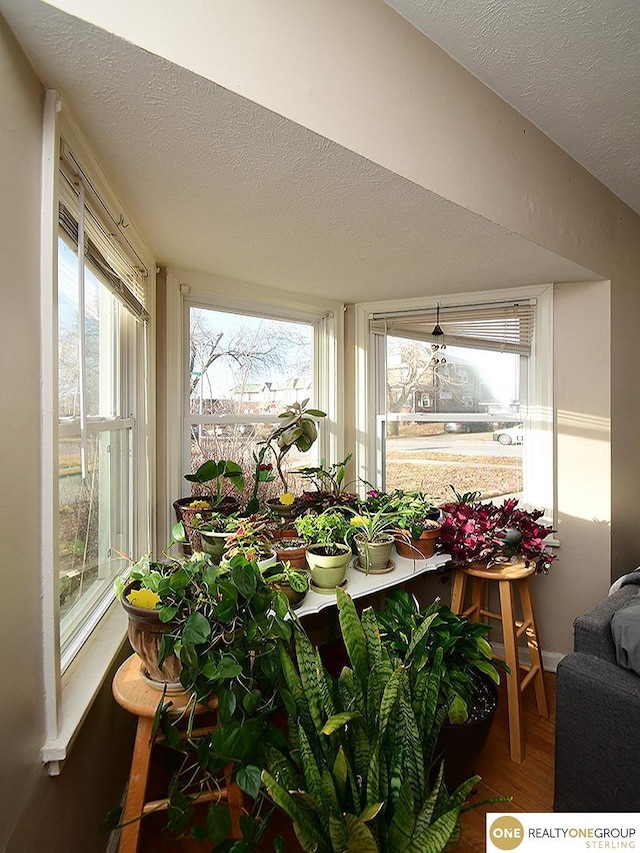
pixel 222 294
pixel 68 697
pixel 539 479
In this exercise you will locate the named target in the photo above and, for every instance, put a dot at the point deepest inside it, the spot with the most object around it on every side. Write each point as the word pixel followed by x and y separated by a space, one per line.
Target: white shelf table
pixel 360 584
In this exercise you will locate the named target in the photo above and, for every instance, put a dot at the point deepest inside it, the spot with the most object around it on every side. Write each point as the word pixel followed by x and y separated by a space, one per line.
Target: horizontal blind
pixel 505 327
pixel 121 270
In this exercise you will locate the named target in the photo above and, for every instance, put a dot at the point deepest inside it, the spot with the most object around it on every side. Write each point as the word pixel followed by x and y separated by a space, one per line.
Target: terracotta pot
pixel 292 550
pixel 145 633
pixel 327 570
pixel 186 514
pixel 282 510
pixel 374 556
pixel 418 549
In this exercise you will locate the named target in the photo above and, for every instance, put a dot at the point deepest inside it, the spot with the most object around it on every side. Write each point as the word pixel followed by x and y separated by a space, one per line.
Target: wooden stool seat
pixel 135 695
pixel 508 576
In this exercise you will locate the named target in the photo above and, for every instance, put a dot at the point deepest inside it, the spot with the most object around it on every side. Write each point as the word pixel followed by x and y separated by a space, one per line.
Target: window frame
pixel 186 289
pixel 68 694
pixel 190 419
pixel 537 413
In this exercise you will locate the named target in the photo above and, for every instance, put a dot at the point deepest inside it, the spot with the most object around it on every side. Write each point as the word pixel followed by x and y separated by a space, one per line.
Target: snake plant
pixel 359 775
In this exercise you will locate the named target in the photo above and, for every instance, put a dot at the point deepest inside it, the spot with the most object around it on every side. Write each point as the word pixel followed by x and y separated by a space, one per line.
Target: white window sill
pixel 81 683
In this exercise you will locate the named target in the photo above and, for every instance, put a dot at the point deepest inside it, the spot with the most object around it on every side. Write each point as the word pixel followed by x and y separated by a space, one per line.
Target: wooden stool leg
pixel 234 801
pixel 138 777
pixel 477 599
pixel 514 698
pixel 457 595
pixel 534 648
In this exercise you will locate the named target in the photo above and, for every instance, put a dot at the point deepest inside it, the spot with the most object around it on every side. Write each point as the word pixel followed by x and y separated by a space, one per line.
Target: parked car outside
pixel 470 426
pixel 510 435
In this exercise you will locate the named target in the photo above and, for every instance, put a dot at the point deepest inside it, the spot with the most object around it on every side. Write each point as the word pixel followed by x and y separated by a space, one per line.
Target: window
pixel 476 413
pixel 242 371
pixel 101 319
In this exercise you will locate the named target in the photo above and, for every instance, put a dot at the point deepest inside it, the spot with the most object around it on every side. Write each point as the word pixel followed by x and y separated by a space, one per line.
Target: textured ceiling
pixel 572 67
pixel 219 184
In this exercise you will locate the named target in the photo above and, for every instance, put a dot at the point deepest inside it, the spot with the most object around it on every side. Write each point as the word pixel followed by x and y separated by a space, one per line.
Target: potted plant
pixel 284 578
pixel 248 538
pixel 418 525
pixel 469 676
pixel 358 775
pixel 262 473
pixel 214 533
pixel 293 550
pixel 475 532
pixel 225 626
pixel 297 428
pixel 373 538
pixel 211 475
pixel 327 554
pixel 330 486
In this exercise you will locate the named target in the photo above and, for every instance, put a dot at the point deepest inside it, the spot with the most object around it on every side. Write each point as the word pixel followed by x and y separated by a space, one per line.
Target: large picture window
pixel 469 414
pixel 242 371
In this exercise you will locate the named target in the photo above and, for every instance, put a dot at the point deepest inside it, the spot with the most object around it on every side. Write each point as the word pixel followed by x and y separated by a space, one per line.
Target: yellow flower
pixel 287 499
pixel 199 505
pixel 145 598
pixel 358 521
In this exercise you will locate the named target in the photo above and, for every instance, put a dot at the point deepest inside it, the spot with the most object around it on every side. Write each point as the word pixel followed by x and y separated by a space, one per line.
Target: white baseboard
pixel 550 660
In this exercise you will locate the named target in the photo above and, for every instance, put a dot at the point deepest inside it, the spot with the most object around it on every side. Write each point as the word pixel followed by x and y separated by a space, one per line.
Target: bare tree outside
pixel 241 365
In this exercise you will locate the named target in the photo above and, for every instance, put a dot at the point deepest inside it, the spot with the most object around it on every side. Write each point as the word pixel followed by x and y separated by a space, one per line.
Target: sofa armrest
pixel 597 737
pixel 592 630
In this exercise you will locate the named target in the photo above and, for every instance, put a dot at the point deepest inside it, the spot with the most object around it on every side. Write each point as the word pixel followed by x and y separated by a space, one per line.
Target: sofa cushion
pixel 592 630
pixel 625 630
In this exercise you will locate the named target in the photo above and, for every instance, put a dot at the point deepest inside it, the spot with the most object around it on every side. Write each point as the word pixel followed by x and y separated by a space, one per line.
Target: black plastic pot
pixel 461 745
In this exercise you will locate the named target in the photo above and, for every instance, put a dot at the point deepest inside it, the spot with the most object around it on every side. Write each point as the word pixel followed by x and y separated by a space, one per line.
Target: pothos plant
pixel 358 774
pixel 226 625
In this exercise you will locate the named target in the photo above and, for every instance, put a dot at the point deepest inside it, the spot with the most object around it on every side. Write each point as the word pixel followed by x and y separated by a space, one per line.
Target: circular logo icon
pixel 506 833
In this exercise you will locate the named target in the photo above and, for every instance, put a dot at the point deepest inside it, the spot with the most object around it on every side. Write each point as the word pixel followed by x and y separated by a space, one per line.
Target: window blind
pixel 120 269
pixel 504 327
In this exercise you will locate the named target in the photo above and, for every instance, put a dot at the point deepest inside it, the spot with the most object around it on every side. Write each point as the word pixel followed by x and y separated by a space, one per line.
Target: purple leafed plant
pixel 484 532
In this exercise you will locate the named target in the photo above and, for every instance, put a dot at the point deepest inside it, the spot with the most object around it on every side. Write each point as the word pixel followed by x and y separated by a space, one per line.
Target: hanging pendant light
pixel 438 345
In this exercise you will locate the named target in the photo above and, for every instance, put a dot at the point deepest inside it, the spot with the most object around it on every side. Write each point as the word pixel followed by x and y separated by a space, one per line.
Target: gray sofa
pixel 597 766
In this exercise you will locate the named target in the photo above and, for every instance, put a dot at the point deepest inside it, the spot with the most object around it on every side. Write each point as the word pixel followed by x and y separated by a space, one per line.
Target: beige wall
pixel 37 812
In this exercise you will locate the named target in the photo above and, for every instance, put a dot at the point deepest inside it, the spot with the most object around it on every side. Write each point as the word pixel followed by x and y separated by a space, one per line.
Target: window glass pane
pixel 246 367
pixel 102 312
pixel 68 332
pixel 94 521
pixel 471 452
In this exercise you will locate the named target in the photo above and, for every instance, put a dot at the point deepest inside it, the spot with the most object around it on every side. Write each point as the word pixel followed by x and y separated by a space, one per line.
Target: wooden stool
pixel 507 575
pixel 136 696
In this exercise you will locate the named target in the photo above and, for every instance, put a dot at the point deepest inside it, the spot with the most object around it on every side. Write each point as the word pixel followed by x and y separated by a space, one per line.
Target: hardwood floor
pixel 530 784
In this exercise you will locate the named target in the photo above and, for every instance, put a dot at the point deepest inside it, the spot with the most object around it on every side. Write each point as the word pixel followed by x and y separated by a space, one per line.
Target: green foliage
pixel 328 478
pixel 418 637
pixel 357 776
pixel 282 572
pixel 212 475
pixel 227 627
pixel 327 528
pixel 297 428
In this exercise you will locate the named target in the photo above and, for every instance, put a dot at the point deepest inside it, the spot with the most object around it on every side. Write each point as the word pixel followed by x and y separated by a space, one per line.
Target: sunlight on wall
pixel 584 466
